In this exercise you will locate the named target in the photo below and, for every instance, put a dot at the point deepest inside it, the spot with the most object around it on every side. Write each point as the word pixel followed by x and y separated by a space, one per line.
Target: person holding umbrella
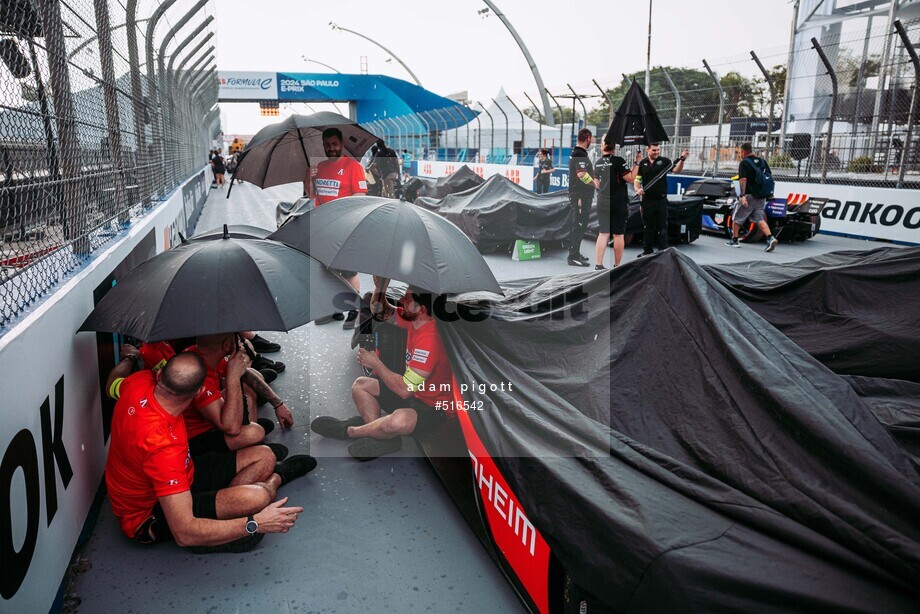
pixel 336 177
pixel 652 186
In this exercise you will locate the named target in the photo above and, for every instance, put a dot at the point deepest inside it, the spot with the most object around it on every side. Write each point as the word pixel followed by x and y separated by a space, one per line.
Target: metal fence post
pixel 913 101
pixel 561 124
pixel 156 117
pixel 715 167
pixel 523 137
pixel 610 102
pixel 830 120
pixel 491 157
pixel 772 87
pixel 540 115
pixel 882 75
pixel 478 130
pixel 505 115
pixel 677 104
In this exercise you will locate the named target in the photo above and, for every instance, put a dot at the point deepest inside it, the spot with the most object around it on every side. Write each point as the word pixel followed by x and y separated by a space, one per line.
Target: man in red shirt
pixel 159 493
pixel 425 383
pixel 336 177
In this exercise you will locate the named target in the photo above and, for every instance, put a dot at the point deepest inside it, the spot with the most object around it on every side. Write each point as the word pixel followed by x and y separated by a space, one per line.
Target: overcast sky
pixel 451 48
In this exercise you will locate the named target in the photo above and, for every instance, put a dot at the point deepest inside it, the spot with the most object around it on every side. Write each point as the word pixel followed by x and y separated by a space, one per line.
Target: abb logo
pixel 514 175
pixel 426 168
pixel 478 170
pixel 449 169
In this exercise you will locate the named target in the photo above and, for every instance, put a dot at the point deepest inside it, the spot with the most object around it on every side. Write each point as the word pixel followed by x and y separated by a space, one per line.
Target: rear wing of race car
pixel 811 206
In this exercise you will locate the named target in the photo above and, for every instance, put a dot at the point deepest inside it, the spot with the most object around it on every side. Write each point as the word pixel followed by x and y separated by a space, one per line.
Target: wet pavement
pixel 377 537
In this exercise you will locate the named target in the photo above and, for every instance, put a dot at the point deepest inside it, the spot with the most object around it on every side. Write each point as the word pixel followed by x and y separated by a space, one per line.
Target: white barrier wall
pixel 51 424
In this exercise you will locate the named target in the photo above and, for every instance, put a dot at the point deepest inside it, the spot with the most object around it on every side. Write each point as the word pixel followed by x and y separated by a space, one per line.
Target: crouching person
pixel 220 502
pixel 424 385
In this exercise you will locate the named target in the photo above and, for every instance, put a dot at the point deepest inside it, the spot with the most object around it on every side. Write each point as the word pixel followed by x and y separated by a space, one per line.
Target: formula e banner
pixel 247 85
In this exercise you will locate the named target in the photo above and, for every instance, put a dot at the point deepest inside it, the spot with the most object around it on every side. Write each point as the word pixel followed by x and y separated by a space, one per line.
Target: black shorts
pixel 211 441
pixel 213 471
pixel 427 416
pixel 611 217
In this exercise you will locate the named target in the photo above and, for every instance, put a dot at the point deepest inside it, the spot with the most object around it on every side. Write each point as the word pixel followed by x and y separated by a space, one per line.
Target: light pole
pixel 306 59
pixel 547 109
pixel 367 38
pixel 648 53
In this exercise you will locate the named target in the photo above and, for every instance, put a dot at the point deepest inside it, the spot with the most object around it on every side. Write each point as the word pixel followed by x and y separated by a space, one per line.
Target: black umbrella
pixel 206 287
pixel 386 237
pixel 636 121
pixel 236 231
pixel 282 153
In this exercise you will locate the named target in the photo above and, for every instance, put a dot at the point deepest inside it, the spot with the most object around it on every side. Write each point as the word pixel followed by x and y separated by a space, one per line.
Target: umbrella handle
pixel 654 181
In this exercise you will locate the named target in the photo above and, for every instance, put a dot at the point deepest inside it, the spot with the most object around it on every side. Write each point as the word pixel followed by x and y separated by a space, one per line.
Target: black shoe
pixel 261 362
pixel 265 423
pixel 338 315
pixel 295 467
pixel 573 261
pixel 280 451
pixel 771 244
pixel 327 426
pixel 582 257
pixel 243 544
pixel 366 449
pixel 600 267
pixel 323 320
pixel 264 346
pixel 269 375
pixel 351 320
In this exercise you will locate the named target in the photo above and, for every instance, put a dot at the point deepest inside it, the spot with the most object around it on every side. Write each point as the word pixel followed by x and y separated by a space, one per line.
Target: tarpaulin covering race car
pixel 685 220
pixel 499 211
pixel 462 179
pixel 796 218
pixel 665 448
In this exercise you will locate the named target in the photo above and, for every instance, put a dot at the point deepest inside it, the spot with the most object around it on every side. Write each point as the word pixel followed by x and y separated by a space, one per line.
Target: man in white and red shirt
pixel 335 177
pixel 425 384
pixel 158 492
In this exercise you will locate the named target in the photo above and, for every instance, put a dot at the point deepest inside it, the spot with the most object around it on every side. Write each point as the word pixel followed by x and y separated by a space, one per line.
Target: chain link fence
pixel 105 108
pixel 863 133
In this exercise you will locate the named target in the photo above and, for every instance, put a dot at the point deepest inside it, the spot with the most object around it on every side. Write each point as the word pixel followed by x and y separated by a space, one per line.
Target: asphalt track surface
pixel 381 536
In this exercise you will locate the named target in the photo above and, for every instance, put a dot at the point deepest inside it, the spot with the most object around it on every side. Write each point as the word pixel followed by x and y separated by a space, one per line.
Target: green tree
pixel 536 115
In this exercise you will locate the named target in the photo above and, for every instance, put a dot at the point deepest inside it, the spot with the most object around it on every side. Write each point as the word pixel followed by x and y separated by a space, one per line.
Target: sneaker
pixel 294 467
pixel 338 315
pixel 327 426
pixel 265 423
pixel 243 544
pixel 261 362
pixel 582 257
pixel 600 267
pixel 733 242
pixel 264 346
pixel 366 449
pixel 771 244
pixel 573 261
pixel 351 320
pixel 280 451
pixel 269 375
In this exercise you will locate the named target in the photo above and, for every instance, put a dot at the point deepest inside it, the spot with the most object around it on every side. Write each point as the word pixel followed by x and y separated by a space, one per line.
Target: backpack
pixel 762 185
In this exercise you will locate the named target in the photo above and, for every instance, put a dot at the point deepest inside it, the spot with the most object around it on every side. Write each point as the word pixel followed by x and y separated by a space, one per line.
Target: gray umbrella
pixel 282 153
pixel 387 237
pixel 236 231
pixel 225 285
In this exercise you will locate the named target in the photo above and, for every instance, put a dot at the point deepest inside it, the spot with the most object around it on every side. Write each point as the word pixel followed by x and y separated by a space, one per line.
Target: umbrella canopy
pixel 227 285
pixel 235 231
pixel 386 237
pixel 281 153
pixel 636 121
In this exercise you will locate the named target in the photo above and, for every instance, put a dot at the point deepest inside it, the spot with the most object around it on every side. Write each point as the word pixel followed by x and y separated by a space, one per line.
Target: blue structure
pixel 375 97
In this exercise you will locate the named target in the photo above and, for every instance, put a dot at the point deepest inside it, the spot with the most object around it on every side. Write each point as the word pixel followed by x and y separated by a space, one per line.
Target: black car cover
pixel 679 453
pixel 500 211
pixel 855 311
pixel 462 179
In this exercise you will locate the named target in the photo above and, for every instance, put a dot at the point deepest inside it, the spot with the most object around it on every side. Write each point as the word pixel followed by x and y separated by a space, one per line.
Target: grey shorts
pixel 752 213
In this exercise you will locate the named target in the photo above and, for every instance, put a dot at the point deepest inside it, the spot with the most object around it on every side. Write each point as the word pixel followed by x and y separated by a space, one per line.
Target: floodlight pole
pixel 830 120
pixel 547 109
pixel 367 38
pixel 677 103
pixel 913 99
pixel 772 87
pixel 306 59
pixel 715 166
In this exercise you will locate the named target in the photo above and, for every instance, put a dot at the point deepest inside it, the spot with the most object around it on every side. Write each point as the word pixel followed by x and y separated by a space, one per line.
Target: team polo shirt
pixel 195 422
pixel 610 171
pixel 649 171
pixel 148 453
pixel 156 354
pixel 579 161
pixel 425 352
pixel 337 178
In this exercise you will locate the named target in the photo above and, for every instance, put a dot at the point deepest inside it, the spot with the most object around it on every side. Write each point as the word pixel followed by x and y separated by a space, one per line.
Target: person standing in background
pixel 612 202
pixel 582 185
pixel 652 185
pixel 544 170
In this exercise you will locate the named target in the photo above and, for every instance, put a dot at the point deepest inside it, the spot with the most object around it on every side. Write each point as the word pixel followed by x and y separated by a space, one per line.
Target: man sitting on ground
pixel 425 383
pixel 220 502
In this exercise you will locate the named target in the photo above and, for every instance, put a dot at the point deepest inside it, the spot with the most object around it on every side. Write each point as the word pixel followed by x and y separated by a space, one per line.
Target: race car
pixel 795 218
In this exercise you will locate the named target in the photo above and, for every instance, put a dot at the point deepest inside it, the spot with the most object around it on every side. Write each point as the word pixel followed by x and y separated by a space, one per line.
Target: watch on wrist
pixel 251 525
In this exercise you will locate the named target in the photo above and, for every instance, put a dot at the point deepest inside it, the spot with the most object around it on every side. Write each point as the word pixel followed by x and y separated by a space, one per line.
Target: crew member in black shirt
pixel 652 185
pixel 582 185
pixel 544 170
pixel 612 202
